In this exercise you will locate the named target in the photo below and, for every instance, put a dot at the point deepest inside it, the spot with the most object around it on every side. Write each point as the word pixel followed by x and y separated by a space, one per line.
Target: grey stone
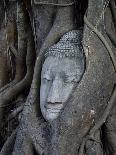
pixel 62 69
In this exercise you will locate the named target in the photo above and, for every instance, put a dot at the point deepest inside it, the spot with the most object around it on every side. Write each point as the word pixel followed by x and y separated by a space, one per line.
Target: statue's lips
pixel 54 107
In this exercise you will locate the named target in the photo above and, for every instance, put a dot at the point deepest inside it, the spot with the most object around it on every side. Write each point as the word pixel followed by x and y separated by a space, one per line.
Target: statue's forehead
pixel 53 64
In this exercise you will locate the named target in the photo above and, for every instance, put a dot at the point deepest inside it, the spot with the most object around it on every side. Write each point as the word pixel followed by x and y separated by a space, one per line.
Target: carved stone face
pixel 58 78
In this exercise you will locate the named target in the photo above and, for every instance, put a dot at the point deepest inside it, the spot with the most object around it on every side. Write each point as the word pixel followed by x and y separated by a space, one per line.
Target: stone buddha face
pixel 61 72
pixel 58 79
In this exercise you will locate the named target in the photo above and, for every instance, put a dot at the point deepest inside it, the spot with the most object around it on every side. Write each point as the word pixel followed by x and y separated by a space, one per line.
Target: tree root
pixel 5 100
pixel 98 125
pixel 104 41
pixel 24 55
pixel 12 92
pixel 102 120
pixel 11 116
pixel 14 114
pixel 113 9
pixel 7 86
pixel 110 25
pixel 8 146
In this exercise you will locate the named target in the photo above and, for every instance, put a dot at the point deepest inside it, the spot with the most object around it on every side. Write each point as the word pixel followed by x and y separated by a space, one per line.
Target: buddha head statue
pixel 61 71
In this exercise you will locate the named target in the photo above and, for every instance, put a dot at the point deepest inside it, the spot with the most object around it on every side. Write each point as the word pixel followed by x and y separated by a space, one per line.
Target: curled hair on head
pixel 69 46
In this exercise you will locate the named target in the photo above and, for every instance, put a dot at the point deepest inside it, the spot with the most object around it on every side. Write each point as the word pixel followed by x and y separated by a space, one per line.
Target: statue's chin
pixel 50 112
pixel 51 115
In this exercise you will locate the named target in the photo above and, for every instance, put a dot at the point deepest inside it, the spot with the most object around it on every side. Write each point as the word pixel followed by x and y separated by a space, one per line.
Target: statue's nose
pixel 55 93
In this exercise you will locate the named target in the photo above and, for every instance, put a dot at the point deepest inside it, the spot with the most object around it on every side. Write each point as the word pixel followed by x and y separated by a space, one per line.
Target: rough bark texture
pixel 86 125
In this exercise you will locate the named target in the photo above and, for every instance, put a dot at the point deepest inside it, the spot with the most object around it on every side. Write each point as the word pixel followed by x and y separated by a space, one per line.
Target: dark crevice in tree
pixel 80 9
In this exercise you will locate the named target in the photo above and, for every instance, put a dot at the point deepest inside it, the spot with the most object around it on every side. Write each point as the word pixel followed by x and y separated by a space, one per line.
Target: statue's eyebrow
pixel 46 74
pixel 70 74
pixel 72 77
pixel 46 71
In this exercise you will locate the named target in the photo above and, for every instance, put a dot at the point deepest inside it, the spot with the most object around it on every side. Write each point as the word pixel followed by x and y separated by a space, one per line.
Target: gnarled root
pixel 98 125
pixel 8 147
pixel 7 86
pixel 25 55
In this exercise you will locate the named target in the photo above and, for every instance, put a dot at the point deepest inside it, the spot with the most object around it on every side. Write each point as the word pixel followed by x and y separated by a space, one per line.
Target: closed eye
pixel 70 79
pixel 46 78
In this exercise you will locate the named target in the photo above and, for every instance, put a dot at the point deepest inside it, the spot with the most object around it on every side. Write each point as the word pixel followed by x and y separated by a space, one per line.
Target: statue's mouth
pixel 54 107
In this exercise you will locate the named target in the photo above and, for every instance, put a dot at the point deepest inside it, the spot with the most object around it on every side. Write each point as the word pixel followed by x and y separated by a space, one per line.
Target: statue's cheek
pixel 44 90
pixel 66 91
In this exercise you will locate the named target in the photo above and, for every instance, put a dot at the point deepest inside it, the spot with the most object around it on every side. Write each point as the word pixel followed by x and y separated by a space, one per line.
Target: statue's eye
pixel 47 78
pixel 70 79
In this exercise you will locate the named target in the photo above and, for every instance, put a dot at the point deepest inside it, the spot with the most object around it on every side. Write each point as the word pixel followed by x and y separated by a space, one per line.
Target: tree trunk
pixel 88 119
